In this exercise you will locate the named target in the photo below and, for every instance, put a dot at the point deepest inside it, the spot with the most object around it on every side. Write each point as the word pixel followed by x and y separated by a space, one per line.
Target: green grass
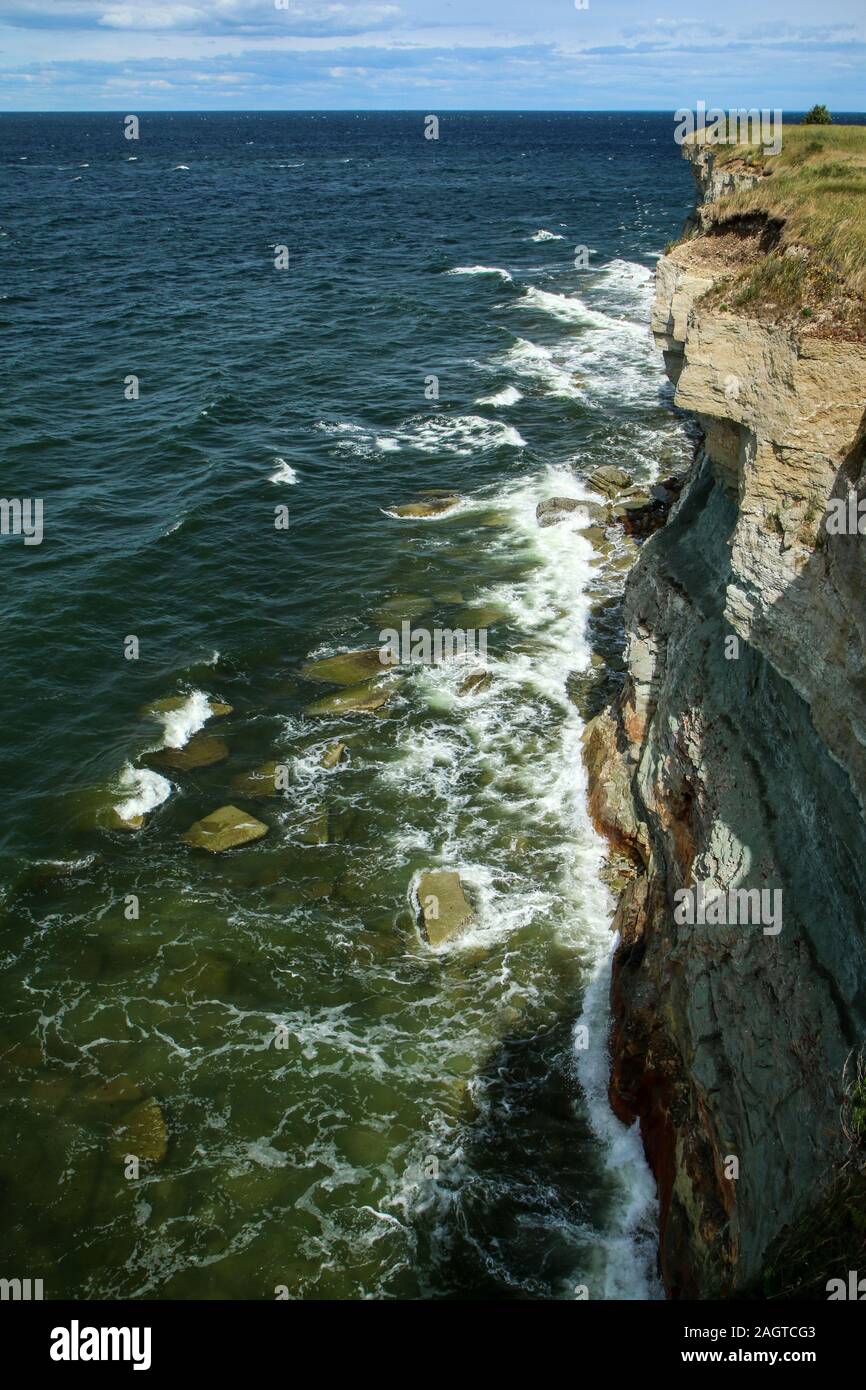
pixel 816 186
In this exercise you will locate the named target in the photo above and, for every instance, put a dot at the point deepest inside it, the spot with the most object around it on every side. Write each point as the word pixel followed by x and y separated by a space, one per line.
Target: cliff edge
pixel 734 756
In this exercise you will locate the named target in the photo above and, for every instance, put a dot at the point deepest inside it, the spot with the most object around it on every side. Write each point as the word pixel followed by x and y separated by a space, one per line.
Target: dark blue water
pixel 305 387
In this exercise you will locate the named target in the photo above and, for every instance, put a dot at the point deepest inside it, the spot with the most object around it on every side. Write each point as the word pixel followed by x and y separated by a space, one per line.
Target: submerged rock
pixel 315 831
pixel 202 751
pixel 118 822
pixel 365 698
pixel 261 781
pixel 610 480
pixel 482 616
pixel 224 829
pixel 476 681
pixel 444 909
pixel 143 1134
pixel 347 668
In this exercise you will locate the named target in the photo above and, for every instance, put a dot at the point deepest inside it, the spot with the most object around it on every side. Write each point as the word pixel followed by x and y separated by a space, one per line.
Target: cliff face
pixel 735 756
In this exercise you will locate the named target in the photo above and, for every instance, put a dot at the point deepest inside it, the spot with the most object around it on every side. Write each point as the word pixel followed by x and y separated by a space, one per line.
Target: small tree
pixel 819 115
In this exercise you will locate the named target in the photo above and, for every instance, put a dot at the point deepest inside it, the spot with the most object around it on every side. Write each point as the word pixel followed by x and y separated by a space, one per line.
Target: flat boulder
pixel 203 750
pixel 224 829
pixel 365 698
pixel 610 480
pixel 347 668
pixel 443 908
pixel 555 509
pixel 434 504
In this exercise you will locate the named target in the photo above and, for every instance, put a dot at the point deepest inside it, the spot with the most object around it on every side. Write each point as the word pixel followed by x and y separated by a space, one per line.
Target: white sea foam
pixel 284 472
pixel 429 434
pixel 439 759
pixel 509 395
pixel 543 235
pixel 180 724
pixel 146 790
pixel 481 270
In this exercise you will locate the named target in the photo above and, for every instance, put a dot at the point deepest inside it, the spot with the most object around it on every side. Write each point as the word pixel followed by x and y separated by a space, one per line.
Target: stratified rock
pixel 444 910
pixel 202 751
pixel 355 699
pixel 475 682
pixel 348 668
pixel 610 480
pixel 142 1134
pixel 333 755
pixel 224 829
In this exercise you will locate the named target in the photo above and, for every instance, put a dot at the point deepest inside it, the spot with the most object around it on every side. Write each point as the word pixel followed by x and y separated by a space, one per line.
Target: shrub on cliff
pixel 819 115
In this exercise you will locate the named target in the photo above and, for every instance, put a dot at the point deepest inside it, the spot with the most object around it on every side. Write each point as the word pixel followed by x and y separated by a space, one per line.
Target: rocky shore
pixel 735 755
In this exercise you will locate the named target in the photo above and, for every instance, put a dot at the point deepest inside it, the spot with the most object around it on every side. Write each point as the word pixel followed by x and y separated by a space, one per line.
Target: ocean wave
pixel 509 395
pixel 146 790
pixel 566 308
pixel 481 270
pixel 543 235
pixel 428 434
pixel 284 473
pixel 180 724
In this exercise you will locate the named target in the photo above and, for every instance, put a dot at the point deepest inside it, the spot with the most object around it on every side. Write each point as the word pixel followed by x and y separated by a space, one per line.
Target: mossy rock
pixel 348 668
pixel 203 750
pixel 444 909
pixel 116 821
pixel 224 829
pixel 435 505
pixel 218 708
pixel 364 698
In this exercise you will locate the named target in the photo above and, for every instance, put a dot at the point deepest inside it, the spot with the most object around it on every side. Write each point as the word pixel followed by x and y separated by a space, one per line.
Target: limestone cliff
pixel 735 755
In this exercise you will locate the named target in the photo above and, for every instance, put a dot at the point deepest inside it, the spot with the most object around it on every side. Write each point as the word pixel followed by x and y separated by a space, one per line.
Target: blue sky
pixel 437 55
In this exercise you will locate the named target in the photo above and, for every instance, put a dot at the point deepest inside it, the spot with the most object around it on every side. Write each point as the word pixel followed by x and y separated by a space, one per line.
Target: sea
pixel 234 348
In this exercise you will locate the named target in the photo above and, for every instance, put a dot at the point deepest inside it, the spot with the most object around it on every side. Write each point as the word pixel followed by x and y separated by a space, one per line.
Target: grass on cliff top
pixel 816 186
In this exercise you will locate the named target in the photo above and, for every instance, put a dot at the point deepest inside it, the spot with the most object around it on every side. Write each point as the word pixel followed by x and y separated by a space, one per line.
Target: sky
pixel 435 55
